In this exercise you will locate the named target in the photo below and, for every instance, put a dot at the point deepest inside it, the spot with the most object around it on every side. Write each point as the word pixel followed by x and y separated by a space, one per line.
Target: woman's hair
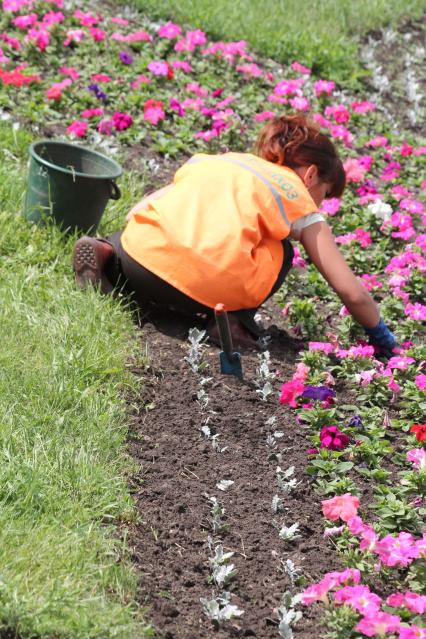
pixel 294 141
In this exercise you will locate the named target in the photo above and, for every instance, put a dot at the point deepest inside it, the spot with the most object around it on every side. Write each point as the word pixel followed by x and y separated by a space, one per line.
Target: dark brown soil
pixel 180 470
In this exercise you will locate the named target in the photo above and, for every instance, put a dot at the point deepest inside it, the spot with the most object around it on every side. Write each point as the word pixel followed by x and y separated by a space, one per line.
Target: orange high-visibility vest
pixel 217 234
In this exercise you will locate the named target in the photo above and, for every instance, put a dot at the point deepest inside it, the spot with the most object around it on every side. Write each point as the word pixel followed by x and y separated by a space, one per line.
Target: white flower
pixel 380 209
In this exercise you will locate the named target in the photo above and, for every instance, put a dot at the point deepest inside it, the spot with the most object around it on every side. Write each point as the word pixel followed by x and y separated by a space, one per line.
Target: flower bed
pixel 226 467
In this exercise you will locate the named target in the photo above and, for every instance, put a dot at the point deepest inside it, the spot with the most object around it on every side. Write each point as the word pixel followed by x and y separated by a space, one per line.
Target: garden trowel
pixel 230 362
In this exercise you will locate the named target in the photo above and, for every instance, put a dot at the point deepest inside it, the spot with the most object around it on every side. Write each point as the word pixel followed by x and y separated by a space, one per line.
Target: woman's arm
pixel 318 241
pixel 152 196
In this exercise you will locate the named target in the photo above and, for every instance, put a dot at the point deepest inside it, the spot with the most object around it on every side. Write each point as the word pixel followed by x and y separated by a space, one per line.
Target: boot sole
pixel 87 267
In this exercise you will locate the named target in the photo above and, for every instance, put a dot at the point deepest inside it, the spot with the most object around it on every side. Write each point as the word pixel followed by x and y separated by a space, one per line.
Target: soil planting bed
pixel 180 470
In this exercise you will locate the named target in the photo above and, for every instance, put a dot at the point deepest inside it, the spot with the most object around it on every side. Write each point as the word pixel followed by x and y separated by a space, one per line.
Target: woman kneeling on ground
pixel 220 233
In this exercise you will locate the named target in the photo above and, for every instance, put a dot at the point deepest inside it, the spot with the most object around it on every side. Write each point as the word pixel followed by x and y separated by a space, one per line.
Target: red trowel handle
pixel 224 331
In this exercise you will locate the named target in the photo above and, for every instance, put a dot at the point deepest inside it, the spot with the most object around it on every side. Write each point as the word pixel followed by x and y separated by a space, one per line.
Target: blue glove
pixel 382 337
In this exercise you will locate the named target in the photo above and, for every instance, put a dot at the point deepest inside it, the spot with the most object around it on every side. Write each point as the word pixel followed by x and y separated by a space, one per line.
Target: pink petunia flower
pixel 363 107
pixel 290 391
pixel 121 121
pixel 420 381
pixel 78 128
pixel 339 112
pixel 343 507
pixel 153 111
pixel 354 170
pixel 324 86
pixel 397 551
pixel 324 347
pixel 299 68
pixel 412 632
pixel 264 115
pixel 360 598
pixel 169 30
pixel 417 456
pixel 105 127
pixel 330 205
pixel 416 311
pixel 378 624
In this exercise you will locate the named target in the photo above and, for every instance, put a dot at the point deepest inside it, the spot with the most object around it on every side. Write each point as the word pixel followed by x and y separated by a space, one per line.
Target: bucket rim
pixel 38 158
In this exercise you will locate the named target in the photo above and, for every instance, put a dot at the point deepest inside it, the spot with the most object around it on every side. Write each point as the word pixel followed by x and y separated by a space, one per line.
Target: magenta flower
pixel 300 104
pixel 169 30
pixel 264 115
pixel 330 205
pixel 333 439
pixel 324 86
pixel 122 121
pixel 176 106
pixel 420 381
pixel 290 390
pixel 363 107
pixel 339 112
pixel 23 22
pixel 78 128
pixel 378 624
pixel 324 347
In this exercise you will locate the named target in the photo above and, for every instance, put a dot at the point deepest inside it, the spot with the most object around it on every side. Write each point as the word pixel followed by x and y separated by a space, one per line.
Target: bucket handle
pixel 114 191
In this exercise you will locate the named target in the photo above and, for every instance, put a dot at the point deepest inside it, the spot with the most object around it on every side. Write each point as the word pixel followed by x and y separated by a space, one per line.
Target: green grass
pixel 321 33
pixel 64 567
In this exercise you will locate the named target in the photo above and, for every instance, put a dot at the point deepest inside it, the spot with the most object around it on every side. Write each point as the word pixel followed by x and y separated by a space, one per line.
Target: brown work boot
pixel 89 259
pixel 241 337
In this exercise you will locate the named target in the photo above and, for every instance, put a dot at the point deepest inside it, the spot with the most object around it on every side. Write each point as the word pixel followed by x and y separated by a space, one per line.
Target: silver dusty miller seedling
pixel 194 357
pixel 212 437
pixel 289 533
pixel 217 512
pixel 286 481
pixel 293 572
pixel 264 376
pixel 287 615
pixel 219 609
pixel 222 571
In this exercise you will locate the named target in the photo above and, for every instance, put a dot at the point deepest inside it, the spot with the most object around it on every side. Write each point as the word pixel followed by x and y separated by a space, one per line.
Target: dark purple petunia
pixel 356 421
pixel 97 91
pixel 125 57
pixel 318 392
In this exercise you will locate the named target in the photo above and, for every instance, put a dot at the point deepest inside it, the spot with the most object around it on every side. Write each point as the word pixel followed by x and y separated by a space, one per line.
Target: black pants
pixel 145 287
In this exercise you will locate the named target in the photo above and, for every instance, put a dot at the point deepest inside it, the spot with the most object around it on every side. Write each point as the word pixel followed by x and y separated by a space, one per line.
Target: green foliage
pixel 63 387
pixel 322 37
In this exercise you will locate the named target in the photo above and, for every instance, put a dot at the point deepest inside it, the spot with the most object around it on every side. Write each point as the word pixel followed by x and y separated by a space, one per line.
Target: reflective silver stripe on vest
pixel 265 180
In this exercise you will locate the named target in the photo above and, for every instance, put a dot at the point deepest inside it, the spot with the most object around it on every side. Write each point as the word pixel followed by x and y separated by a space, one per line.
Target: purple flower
pixel 97 91
pixel 356 421
pixel 125 57
pixel 318 392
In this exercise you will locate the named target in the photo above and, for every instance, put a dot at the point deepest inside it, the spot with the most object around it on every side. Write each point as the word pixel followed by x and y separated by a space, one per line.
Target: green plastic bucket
pixel 70 184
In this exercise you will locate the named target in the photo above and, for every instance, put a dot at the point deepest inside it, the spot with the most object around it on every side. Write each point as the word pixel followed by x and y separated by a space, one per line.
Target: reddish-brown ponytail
pixel 294 141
